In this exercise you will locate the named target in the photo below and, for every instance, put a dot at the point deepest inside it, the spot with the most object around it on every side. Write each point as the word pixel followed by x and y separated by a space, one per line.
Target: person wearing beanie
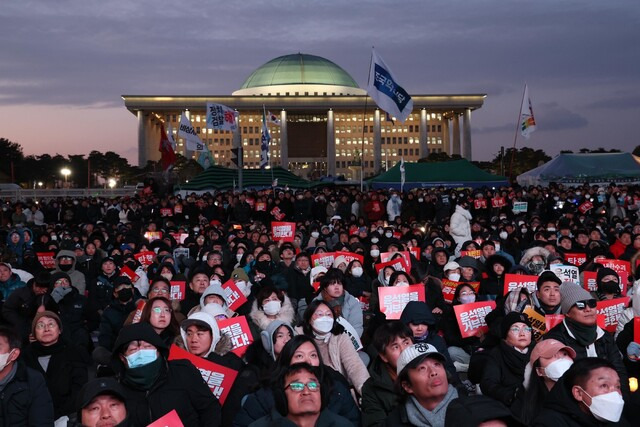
pixel 504 370
pixel 608 285
pixel 63 365
pixel 548 297
pixel 579 330
pixel 18 310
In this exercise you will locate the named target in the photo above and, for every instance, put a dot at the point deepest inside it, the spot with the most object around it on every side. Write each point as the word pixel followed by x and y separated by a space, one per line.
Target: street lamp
pixel 40 184
pixel 65 172
pixel 112 183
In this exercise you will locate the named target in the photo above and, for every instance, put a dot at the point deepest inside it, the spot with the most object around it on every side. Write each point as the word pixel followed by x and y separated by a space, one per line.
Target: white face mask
pixel 607 407
pixel 503 235
pixel 374 253
pixel 272 308
pixel 467 299
pixel 243 287
pixel 454 276
pixel 215 282
pixel 557 368
pixel 167 276
pixel 388 235
pixel 420 199
pixel 497 247
pixel 356 271
pixel 403 283
pixel 239 257
pixel 323 324
pixel 374 240
pixel 315 234
pixel 4 360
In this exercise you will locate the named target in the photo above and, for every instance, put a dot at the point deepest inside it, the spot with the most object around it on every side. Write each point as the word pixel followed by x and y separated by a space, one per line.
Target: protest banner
pixel 393 299
pixel 589 278
pixel 238 330
pixel 585 207
pixel 47 259
pixel 128 272
pixel 218 378
pixel 566 273
pixel 178 290
pixel 177 209
pixel 520 207
pixel 365 303
pixel 515 281
pixel 179 237
pixel 153 235
pixel 387 256
pixel 261 207
pixel 277 213
pixel 323 259
pixel 145 258
pixel 473 254
pixel 234 296
pixel 538 323
pixel 480 204
pixel 349 256
pixel 609 311
pixel 284 231
pixel 415 251
pixel 351 333
pixel 398 264
pixel 139 307
pixel 498 202
pixel 170 419
pixel 449 288
pixel 575 258
pixel 471 317
pixel 166 212
pixel 552 320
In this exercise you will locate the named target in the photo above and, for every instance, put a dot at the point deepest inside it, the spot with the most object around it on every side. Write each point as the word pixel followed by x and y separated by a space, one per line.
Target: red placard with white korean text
pixel 480 203
pixel 471 317
pixel 636 329
pixel 145 258
pixel 609 311
pixel 165 212
pixel 179 237
pixel 449 288
pixel 477 253
pixel 415 251
pixel 393 299
pixel 284 231
pixel 261 207
pixel 47 259
pixel 139 307
pixel 623 268
pixel 235 298
pixel 590 283
pixel 178 290
pixel 238 330
pixel 153 235
pixel 585 207
pixel 364 303
pixel 498 202
pixel 386 256
pixel 350 256
pixel 575 259
pixel 552 320
pixel 219 378
pixel 324 259
pixel 397 264
pixel 277 213
pixel 515 281
pixel 168 420
pixel 127 272
pixel 316 286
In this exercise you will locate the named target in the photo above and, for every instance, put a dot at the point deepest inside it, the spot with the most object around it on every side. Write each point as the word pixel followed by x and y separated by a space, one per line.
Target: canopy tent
pixel 577 169
pixel 455 173
pixel 221 178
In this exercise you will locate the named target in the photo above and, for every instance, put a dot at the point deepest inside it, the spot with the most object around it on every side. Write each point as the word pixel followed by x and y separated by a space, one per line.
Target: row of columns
pixel 149 135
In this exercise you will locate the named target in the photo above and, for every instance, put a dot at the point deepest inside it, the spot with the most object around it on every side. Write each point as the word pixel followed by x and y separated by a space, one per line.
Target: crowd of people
pixel 95 323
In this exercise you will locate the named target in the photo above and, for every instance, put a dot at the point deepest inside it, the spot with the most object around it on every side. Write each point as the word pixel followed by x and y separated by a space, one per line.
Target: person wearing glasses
pixel 579 330
pixel 504 370
pixel 159 313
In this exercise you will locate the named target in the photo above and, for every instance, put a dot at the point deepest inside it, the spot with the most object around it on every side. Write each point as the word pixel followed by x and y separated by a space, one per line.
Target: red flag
pixel 168 155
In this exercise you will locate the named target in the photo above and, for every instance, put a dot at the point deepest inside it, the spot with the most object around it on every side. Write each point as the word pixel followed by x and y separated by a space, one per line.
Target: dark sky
pixel 65 63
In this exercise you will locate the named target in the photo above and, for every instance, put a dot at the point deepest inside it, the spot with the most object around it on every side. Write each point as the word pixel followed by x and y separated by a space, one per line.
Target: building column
pixel 284 142
pixel 331 145
pixel 424 134
pixel 152 131
pixel 446 142
pixel 455 146
pixel 377 143
pixel 236 140
pixel 466 129
pixel 142 141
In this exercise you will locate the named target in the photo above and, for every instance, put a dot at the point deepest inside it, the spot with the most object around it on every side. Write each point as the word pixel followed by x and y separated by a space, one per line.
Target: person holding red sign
pixel 608 284
pixel 154 385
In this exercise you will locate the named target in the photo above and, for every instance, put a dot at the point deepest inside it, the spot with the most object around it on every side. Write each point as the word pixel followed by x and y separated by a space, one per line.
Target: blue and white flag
pixel 205 159
pixel 402 174
pixel 221 117
pixel 170 136
pixel 386 92
pixel 264 142
pixel 188 133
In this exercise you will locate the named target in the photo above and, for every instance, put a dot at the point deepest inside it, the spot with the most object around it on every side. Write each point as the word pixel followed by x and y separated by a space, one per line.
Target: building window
pixel 439 128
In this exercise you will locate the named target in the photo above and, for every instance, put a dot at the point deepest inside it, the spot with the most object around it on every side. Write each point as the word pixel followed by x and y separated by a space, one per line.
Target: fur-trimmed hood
pixel 258 316
pixel 531 252
pixel 223 346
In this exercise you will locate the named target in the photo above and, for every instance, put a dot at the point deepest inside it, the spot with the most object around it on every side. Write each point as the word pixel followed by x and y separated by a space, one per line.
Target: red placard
pixel 47 259
pixel 386 256
pixel 235 298
pixel 316 286
pixel 238 330
pixel 480 203
pixel 575 259
pixel 589 279
pixel 284 231
pixel 623 268
pixel 515 281
pixel 415 251
pixel 261 207
pixel 164 212
pixel 127 272
pixel 471 317
pixel 498 202
pixel 609 311
pixel 139 307
pixel 219 378
pixel 323 259
pixel 179 237
pixel 585 207
pixel 449 288
pixel 364 303
pixel 474 254
pixel 145 258
pixel 153 235
pixel 178 290
pixel 393 299
pixel 397 264
pixel 636 329
pixel 350 256
pixel 168 420
pixel 277 213
pixel 177 209
pixel 552 320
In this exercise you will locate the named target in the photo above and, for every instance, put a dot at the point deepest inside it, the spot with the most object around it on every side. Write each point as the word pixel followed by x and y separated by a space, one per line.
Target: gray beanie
pixel 572 293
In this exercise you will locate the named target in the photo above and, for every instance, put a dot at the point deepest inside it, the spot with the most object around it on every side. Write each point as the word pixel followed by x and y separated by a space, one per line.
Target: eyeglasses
pixel 298 387
pixel 160 291
pixel 581 305
pixel 516 330
pixel 158 310
pixel 42 325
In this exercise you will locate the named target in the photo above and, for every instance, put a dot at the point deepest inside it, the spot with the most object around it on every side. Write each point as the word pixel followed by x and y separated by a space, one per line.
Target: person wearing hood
pixel 579 330
pixel 357 282
pixel 535 259
pixel 66 263
pixel 460 224
pixel 492 286
pixel 394 207
pixel 198 282
pixel 15 246
pixel 588 394
pixel 608 285
pixel 9 281
pixel 263 353
pixel 241 280
pixel 214 295
pixel 504 370
pixel 469 269
pixel 270 305
pixel 548 296
pixel 342 303
pixel 417 316
pixel 155 386
pixel 79 317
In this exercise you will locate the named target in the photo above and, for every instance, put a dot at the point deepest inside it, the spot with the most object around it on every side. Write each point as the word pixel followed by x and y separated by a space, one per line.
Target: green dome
pixel 298 69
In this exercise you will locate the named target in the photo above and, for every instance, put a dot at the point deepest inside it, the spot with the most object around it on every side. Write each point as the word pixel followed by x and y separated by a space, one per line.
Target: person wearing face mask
pixel 535 259
pixel 588 394
pixel 608 285
pixel 66 263
pixel 24 396
pixel 342 303
pixel 241 280
pixel 452 271
pixel 155 386
pixel 357 281
pixel 271 304
pixel 549 360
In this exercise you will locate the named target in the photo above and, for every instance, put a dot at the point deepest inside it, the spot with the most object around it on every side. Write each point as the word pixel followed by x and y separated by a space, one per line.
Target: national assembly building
pixel 328 124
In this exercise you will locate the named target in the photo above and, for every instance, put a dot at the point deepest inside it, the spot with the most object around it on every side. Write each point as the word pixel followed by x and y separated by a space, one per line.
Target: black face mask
pixel 65 267
pixel 609 287
pixel 125 295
